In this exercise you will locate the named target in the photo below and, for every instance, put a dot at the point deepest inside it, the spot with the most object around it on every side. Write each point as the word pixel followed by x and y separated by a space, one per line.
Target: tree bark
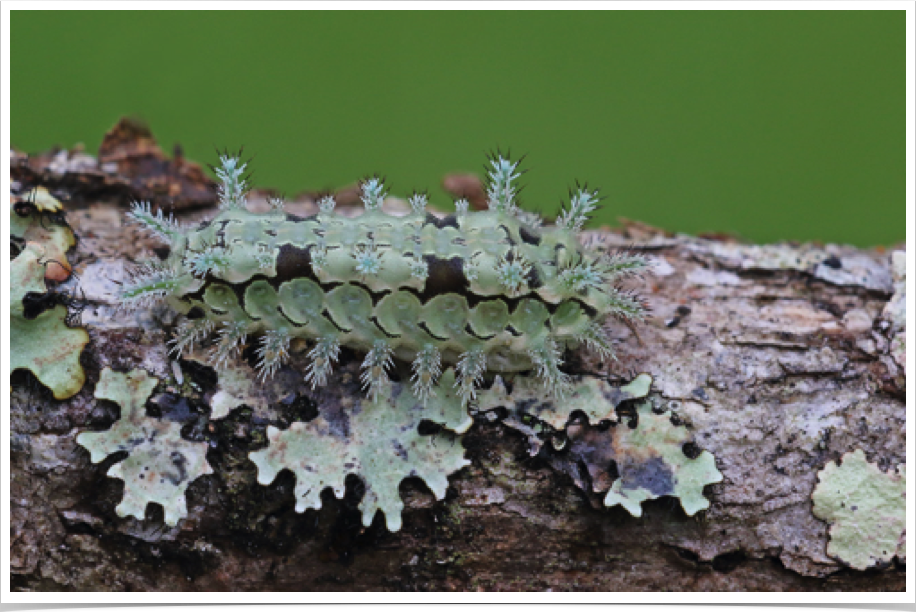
pixel 777 359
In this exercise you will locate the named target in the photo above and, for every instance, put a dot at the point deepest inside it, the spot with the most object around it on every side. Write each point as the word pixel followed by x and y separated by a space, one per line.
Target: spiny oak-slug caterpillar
pixel 489 290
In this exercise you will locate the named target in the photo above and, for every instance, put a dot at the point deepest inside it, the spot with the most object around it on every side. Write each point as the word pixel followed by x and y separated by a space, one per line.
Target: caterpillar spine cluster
pixel 492 290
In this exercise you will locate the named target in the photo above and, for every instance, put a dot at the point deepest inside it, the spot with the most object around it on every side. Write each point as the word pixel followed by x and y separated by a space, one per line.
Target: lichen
pixel 540 417
pixel 895 309
pixel 593 396
pixel 35 218
pixel 235 383
pixel 827 264
pixel 160 463
pixel 649 461
pixel 866 509
pixel 652 462
pixel 458 299
pixel 43 344
pixel 377 440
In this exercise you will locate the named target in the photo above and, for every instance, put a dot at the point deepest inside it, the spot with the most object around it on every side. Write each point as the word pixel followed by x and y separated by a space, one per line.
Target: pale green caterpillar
pixel 484 291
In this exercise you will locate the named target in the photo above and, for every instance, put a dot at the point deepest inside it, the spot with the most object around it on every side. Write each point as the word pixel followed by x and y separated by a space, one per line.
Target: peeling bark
pixel 779 359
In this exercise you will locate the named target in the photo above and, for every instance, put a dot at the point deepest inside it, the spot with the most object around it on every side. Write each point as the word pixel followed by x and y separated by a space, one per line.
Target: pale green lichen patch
pixel 866 509
pixel 593 396
pixel 26 276
pixel 379 441
pixel 237 385
pixel 29 224
pixel 44 344
pixel 541 417
pixel 651 463
pixel 160 464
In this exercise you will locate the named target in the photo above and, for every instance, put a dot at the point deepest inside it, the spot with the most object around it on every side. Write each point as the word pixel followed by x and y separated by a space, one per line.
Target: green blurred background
pixel 771 125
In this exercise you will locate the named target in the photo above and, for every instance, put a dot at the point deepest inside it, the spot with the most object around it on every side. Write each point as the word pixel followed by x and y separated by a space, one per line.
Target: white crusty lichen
pixel 379 441
pixel 831 264
pixel 160 463
pixel 895 309
pixel 866 509
pixel 541 417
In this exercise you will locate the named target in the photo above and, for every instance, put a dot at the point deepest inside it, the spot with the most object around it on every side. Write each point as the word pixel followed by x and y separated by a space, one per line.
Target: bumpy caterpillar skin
pixel 484 291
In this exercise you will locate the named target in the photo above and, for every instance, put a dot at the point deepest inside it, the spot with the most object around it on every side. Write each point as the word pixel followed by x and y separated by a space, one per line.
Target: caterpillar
pixel 483 291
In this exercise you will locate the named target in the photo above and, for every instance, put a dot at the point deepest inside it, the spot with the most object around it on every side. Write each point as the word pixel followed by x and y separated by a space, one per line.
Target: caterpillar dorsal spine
pixel 501 190
pixel 233 190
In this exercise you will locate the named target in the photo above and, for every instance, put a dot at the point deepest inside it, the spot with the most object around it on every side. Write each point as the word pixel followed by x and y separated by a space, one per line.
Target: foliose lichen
pixel 866 509
pixel 40 338
pixel 37 217
pixel 652 463
pixel 160 464
pixel 649 458
pixel 540 417
pixel 378 439
pixel 592 396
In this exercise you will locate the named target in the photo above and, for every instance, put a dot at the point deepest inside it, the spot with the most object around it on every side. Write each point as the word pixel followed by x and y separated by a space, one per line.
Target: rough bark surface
pixel 779 359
